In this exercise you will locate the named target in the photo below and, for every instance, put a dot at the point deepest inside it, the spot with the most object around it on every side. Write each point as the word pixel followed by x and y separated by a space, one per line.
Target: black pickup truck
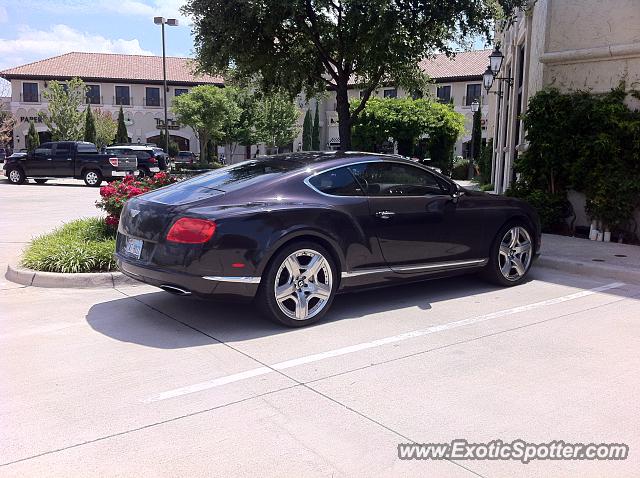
pixel 68 159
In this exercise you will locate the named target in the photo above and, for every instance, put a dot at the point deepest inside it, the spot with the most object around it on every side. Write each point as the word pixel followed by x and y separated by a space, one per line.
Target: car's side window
pixel 337 182
pixel 43 151
pixel 388 178
pixel 62 150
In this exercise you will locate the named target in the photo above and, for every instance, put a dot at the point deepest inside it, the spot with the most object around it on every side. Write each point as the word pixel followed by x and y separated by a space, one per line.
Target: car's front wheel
pixel 16 176
pixel 299 285
pixel 92 178
pixel 511 255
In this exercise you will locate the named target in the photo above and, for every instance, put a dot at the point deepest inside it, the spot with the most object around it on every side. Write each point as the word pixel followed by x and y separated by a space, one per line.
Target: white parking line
pixel 198 387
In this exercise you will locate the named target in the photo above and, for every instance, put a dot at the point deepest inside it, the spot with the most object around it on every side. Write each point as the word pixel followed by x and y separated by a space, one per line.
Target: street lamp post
pixel 172 22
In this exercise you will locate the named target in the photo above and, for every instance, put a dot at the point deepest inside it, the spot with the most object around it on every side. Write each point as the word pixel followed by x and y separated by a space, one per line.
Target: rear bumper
pixel 232 288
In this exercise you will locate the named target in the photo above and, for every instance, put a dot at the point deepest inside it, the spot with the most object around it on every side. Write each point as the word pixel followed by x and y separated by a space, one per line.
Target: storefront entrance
pixel 183 143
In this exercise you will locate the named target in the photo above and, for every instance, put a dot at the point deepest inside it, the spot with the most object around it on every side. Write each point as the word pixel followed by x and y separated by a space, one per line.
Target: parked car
pixel 68 159
pixel 186 157
pixel 294 230
pixel 3 154
pixel 151 159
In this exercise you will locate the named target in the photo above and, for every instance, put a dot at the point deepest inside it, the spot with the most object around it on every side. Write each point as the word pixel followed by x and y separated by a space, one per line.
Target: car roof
pixel 136 147
pixel 309 157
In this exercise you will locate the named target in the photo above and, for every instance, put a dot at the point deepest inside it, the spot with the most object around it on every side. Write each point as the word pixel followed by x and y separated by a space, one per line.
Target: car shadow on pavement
pixel 161 320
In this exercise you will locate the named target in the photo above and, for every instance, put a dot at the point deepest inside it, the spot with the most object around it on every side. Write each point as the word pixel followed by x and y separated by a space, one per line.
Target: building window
pixel 93 95
pixel 391 93
pixel 152 97
pixel 30 92
pixel 444 94
pixel 122 95
pixel 180 91
pixel 473 93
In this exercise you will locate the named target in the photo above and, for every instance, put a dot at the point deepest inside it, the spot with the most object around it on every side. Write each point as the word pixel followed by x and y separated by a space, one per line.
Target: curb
pixel 624 274
pixel 33 278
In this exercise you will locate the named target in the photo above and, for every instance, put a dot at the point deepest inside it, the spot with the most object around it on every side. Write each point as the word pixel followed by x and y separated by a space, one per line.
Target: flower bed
pixel 115 195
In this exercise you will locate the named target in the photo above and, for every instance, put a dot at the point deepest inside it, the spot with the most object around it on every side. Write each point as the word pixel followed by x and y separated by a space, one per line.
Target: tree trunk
pixel 344 115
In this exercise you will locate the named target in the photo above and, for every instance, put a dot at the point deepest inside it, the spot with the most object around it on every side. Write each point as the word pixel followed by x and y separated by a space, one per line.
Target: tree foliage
pixel 211 112
pixel 122 136
pixel 406 120
pixel 314 45
pixel 276 119
pixel 33 140
pixel 7 123
pixel 89 126
pixel 105 126
pixel 64 116
pixel 307 126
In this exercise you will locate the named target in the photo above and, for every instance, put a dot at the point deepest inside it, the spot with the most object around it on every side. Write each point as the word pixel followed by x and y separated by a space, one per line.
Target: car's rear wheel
pixel 299 285
pixel 16 176
pixel 92 178
pixel 511 255
pixel 40 180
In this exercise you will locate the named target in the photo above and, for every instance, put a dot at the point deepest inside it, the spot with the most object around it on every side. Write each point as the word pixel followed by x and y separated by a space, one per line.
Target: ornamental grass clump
pixel 84 245
pixel 116 194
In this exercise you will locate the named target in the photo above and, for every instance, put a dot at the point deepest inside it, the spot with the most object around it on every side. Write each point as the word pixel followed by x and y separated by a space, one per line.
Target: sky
pixel 31 30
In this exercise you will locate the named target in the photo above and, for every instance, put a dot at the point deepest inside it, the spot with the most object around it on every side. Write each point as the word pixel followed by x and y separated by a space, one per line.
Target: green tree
pixel 162 142
pixel 121 132
pixel 243 131
pixel 315 132
pixel 406 120
pixel 105 126
pixel 64 116
pixel 33 140
pixel 324 44
pixel 210 112
pixel 306 131
pixel 89 126
pixel 277 120
pixel 476 138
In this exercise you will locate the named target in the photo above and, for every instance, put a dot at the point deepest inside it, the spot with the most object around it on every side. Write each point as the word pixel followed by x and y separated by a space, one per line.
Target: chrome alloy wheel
pixel 515 253
pixel 92 178
pixel 14 176
pixel 303 284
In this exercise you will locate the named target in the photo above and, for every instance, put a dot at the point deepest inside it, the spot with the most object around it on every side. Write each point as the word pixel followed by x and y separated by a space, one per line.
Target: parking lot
pixel 117 382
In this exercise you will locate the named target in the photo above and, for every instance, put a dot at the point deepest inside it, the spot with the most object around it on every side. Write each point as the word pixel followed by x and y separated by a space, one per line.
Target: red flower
pixel 107 191
pixel 112 221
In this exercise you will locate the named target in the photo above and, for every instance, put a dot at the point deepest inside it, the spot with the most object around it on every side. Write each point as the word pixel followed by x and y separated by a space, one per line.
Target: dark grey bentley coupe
pixel 291 231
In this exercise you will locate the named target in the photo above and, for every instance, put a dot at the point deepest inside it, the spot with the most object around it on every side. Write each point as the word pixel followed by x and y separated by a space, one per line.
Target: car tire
pixel 40 180
pixel 92 178
pixel 511 255
pixel 16 176
pixel 287 295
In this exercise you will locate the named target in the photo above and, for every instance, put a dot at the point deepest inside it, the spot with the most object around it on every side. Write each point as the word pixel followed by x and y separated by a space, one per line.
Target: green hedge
pixel 85 245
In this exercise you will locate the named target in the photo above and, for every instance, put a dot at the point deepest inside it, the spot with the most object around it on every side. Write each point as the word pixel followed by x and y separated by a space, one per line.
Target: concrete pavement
pixel 134 381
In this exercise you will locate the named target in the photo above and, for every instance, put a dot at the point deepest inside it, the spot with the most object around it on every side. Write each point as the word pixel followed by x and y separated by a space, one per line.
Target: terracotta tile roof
pixel 464 64
pixel 108 66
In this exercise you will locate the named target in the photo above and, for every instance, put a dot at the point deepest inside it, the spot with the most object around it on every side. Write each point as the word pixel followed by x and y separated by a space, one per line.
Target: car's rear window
pixel 224 180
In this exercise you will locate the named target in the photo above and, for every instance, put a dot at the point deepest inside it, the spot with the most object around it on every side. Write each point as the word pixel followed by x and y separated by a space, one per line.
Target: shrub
pixel 116 194
pixel 550 207
pixel 487 187
pixel 196 166
pixel 85 245
pixel 460 169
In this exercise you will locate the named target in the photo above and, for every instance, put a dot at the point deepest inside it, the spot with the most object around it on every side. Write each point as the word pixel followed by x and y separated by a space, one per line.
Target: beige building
pixel 131 81
pixel 568 44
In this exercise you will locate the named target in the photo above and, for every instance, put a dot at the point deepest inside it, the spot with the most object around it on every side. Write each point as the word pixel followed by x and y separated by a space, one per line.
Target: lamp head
pixel 495 60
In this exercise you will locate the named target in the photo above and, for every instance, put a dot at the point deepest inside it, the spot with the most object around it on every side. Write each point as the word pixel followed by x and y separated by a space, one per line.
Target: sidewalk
pixel 581 256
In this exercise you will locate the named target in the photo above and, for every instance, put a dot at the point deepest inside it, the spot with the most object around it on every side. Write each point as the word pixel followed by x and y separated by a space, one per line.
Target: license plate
pixel 133 247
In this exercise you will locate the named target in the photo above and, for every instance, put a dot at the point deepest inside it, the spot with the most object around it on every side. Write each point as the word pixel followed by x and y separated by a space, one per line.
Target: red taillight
pixel 114 162
pixel 153 160
pixel 189 230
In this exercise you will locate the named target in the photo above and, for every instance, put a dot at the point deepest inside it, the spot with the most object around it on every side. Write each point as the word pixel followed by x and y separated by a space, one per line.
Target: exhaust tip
pixel 172 289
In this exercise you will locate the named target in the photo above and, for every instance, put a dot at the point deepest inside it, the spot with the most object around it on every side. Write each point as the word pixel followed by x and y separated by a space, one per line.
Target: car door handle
pixel 385 214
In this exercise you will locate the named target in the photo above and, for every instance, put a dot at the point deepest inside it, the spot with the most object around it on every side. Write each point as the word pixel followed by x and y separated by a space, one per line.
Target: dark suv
pixel 151 159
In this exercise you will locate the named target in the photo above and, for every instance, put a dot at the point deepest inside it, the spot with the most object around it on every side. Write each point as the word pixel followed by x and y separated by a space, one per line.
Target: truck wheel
pixel 16 176
pixel 92 177
pixel 40 180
